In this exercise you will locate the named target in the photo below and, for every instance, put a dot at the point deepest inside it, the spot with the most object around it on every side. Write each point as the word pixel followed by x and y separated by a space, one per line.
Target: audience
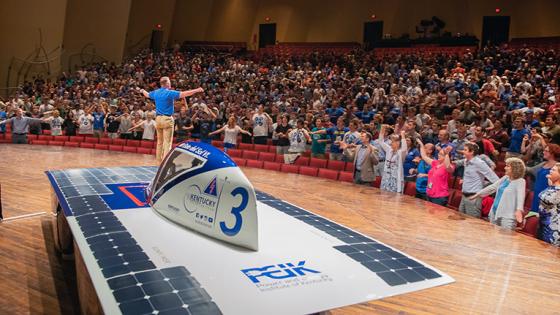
pixel 505 100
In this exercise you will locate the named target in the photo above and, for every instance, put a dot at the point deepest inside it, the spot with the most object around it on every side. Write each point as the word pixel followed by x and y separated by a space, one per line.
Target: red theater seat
pixel 142 150
pixel 105 141
pixel 454 201
pixel 346 177
pixel 261 148
pixel 245 146
pixel 121 142
pixel 132 143
pixel 29 137
pixel 60 143
pixel 288 168
pixel 130 149
pixel 113 147
pixel 318 163
pixel 234 153
pixel 309 171
pixel 273 166
pixel 529 200
pixel 410 188
pixel 72 144
pixel 279 158
pixel 336 165
pixel 60 138
pixel 153 151
pixel 329 174
pixel 265 156
pixel 146 144
pixel 76 138
pixel 239 161
pixel 250 155
pixel 40 142
pixel 87 145
pixel 349 167
pixel 302 161
pixel 91 140
pixel 272 149
pixel 100 146
pixel 376 182
pixel 254 163
pixel 44 138
pixel 217 143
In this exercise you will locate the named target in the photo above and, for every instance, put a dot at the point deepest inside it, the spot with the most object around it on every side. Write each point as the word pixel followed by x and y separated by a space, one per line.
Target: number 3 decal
pixel 236 211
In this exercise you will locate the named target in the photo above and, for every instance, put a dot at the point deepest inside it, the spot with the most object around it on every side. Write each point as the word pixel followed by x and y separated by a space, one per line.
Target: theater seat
pixel 143 150
pixel 92 140
pixel 121 142
pixel 76 139
pixel 60 143
pixel 44 137
pixel 346 177
pixel 250 155
pixel 260 148
pixel 265 156
pixel 72 144
pixel 255 163
pixel 318 163
pixel 309 171
pixel 531 226
pixel 302 161
pixel 455 199
pixel 132 143
pixel 39 142
pixel 114 147
pixel 336 165
pixel 273 166
pixel 100 146
pixel 245 146
pixel 528 200
pixel 146 144
pixel 239 161
pixel 376 182
pixel 349 167
pixel 234 153
pixel 129 149
pixel 289 168
pixel 87 145
pixel 105 141
pixel 410 189
pixel 329 174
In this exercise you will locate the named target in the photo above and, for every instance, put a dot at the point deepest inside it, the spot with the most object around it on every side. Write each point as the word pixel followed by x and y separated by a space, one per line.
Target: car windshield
pixel 178 162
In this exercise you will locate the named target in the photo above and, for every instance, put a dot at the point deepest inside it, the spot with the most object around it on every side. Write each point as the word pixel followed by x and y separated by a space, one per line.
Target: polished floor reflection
pixel 495 271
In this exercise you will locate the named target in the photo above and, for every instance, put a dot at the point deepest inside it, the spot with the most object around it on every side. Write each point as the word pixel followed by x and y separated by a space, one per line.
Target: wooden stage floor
pixel 496 271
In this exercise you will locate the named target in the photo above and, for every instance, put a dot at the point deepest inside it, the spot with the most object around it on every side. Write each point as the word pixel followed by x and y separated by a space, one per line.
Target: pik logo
pixel 280 271
pixel 212 189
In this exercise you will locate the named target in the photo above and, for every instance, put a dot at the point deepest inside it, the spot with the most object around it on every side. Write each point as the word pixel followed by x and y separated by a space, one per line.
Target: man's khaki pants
pixel 164 129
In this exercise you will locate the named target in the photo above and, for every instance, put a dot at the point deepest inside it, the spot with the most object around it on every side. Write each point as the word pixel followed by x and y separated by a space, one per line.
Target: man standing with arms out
pixel 20 126
pixel 476 170
pixel 164 98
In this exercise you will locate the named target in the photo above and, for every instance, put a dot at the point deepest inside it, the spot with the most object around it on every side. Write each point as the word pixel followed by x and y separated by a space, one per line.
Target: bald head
pixel 165 82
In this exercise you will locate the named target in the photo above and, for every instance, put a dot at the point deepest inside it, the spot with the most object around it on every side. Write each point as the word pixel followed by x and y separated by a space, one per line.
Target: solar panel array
pixel 391 266
pixel 137 285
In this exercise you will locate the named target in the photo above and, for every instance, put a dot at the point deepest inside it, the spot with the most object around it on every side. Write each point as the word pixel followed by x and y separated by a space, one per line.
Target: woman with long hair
pixel 441 169
pixel 230 130
pixel 392 178
pixel 551 155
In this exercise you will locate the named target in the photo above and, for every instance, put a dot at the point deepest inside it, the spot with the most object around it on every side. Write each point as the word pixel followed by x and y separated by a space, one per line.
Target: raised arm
pixel 190 92
pixel 423 154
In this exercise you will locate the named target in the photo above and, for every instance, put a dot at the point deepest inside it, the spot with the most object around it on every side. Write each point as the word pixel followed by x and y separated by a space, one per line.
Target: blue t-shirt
pixel 336 135
pixel 541 183
pixel 98 120
pixel 516 139
pixel 334 113
pixel 422 182
pixel 408 160
pixel 3 117
pixel 164 100
pixel 366 117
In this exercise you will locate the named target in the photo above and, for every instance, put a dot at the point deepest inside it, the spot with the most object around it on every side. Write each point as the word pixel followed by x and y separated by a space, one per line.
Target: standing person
pixel 422 171
pixel 230 130
pixel 149 126
pixel 261 125
pixel 112 123
pixel 20 126
pixel 282 131
pixel 137 130
pixel 318 140
pixel 298 142
pixel 551 155
pixel 364 157
pixel 549 208
pixel 183 125
pixel 507 209
pixel 204 119
pixel 518 132
pixel 392 178
pixel 85 123
pixel 336 135
pixel 437 186
pixel 69 124
pixel 125 123
pixel 476 170
pixel 55 121
pixel 164 98
pixel 99 119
